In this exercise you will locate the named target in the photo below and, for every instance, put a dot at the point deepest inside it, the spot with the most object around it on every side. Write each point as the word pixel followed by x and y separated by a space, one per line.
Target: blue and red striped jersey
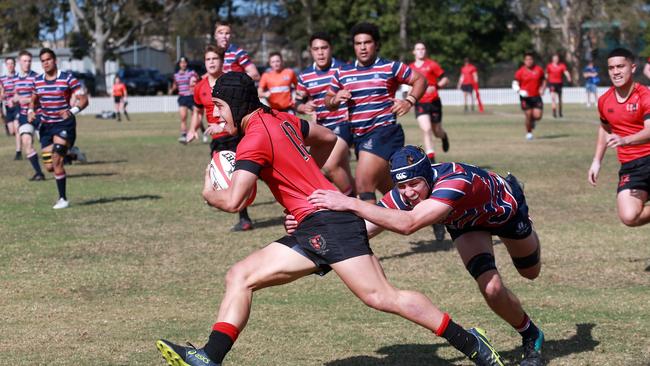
pixel 314 83
pixel 183 81
pixel 54 95
pixel 372 89
pixel 7 82
pixel 24 89
pixel 477 197
pixel 235 59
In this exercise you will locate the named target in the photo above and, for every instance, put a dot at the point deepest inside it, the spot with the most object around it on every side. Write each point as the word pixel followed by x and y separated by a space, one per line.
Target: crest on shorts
pixel 625 179
pixel 317 242
pixel 63 133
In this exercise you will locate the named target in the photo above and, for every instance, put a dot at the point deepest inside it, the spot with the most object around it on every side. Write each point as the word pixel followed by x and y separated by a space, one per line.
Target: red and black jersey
pixel 203 99
pixel 530 80
pixel 555 72
pixel 432 71
pixel 626 118
pixel 273 148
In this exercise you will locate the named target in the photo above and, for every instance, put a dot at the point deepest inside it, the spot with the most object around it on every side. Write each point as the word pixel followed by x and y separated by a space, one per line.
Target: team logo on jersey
pixel 312 84
pixel 375 76
pixel 632 107
pixel 318 243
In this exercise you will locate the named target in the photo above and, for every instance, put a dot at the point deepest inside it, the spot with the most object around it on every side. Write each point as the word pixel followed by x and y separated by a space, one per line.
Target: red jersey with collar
pixel 626 118
pixel 530 80
pixel 235 59
pixel 555 72
pixel 272 147
pixel 467 72
pixel 432 71
pixel 203 100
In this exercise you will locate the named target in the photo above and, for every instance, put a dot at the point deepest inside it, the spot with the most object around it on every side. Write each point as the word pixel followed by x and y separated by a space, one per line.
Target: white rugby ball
pixel 222 166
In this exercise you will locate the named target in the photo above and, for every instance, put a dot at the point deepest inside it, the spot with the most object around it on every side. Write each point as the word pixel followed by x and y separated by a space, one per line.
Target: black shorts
pixel 66 129
pixel 531 103
pixel 186 101
pixel 383 141
pixel 11 113
pixel 555 88
pixel 433 109
pixel 518 227
pixel 467 88
pixel 342 130
pixel 635 174
pixel 328 237
pixel 117 99
pixel 224 143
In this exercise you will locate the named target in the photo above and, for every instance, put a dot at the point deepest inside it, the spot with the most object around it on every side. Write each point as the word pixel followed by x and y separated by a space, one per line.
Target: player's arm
pixel 475 77
pixel 460 81
pixel 442 82
pixel 638 138
pixel 321 141
pixel 251 70
pixel 195 122
pixel 567 75
pixel 601 148
pixel 126 93
pixel 173 87
pixel 232 199
pixel 418 85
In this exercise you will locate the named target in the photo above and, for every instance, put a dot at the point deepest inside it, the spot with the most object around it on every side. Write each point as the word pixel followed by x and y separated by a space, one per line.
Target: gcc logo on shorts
pixel 400 176
pixel 318 243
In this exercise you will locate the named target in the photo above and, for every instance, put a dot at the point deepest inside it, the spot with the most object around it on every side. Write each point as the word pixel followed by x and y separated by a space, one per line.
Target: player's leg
pixel 182 111
pixel 436 125
pixel 32 155
pixel 554 99
pixel 118 102
pixel 632 208
pixel 371 171
pixel 424 121
pixel 59 150
pixel 465 96
pixel 15 126
pixel 559 102
pixel 337 167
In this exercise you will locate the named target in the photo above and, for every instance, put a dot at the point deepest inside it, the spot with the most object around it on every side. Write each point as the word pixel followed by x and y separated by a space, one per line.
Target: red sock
pixel 227 329
pixel 443 325
pixel 431 155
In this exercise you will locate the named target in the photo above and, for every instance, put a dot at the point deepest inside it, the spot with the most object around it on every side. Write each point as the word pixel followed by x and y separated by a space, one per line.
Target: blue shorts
pixel 22 119
pixel 591 88
pixel 382 141
pixel 66 129
pixel 186 101
pixel 12 113
pixel 342 130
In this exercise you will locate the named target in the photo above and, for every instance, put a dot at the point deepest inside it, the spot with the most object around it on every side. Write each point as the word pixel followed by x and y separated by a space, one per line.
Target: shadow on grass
pixel 100 162
pixel 86 175
pixel 120 198
pixel 424 246
pixel 647 269
pixel 264 203
pixel 552 137
pixel 402 355
pixel 275 221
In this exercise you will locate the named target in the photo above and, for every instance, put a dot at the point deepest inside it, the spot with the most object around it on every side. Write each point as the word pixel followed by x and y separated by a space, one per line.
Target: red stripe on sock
pixel 524 324
pixel 443 325
pixel 227 329
pixel 431 155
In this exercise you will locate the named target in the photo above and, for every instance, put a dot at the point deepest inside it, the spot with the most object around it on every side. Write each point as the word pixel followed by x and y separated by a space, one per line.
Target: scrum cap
pixel 238 90
pixel 410 162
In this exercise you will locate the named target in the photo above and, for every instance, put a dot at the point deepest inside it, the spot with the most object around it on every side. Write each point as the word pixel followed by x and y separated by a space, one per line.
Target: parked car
pixel 141 81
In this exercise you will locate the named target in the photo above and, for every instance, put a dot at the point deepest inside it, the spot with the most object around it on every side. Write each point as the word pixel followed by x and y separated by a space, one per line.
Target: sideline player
pixel 625 125
pixel 313 83
pixel 55 91
pixel 530 84
pixel 368 87
pixel 11 108
pixel 590 73
pixel 475 204
pixel 24 90
pixel 236 58
pixel 468 78
pixel 554 72
pixel 213 57
pixel 277 83
pixel 119 97
pixel 273 149
pixel 183 82
pixel 428 110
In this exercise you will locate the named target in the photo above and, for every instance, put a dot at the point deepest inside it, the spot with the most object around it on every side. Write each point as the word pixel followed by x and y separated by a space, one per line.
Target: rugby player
pixel 530 84
pixel 213 57
pixel 183 80
pixel 313 83
pixel 273 149
pixel 428 109
pixel 11 108
pixel 475 204
pixel 56 91
pixel 236 58
pixel 625 125
pixel 554 72
pixel 24 89
pixel 277 83
pixel 119 97
pixel 468 78
pixel 368 88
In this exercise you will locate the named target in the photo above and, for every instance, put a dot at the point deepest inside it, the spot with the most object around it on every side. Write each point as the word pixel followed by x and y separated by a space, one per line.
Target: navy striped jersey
pixel 54 95
pixel 235 59
pixel 314 83
pixel 183 82
pixel 7 82
pixel 24 89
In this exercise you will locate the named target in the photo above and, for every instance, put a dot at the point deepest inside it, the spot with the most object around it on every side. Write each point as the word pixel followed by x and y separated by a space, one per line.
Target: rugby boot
pixel 61 203
pixel 445 143
pixel 485 354
pixel 242 225
pixel 37 177
pixel 439 231
pixel 19 156
pixel 177 355
pixel 533 351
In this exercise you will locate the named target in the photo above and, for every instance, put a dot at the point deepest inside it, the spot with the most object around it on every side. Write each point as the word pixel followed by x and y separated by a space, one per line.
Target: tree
pixel 21 23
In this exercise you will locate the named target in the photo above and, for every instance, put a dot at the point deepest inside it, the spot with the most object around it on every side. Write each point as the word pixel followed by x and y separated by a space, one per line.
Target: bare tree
pixel 403 23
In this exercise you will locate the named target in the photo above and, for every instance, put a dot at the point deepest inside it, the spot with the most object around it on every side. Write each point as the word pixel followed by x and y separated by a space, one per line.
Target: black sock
pixel 461 339
pixel 218 346
pixel 243 214
pixel 37 167
pixel 529 330
pixel 60 186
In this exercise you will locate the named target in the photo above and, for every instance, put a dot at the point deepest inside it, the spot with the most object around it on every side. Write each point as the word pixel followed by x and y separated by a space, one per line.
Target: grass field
pixel 138 256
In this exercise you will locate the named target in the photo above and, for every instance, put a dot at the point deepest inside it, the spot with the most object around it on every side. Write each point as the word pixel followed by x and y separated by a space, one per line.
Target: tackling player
pixel 273 149
pixel 11 107
pixel 475 204
pixel 313 83
pixel 24 89
pixel 236 58
pixel 184 81
pixel 368 87
pixel 625 125
pixel 55 91
pixel 277 83
pixel 554 72
pixel 467 81
pixel 428 110
pixel 530 83
pixel 214 56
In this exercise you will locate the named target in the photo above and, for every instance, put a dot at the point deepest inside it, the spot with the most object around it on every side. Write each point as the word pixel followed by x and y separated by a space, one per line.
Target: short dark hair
pixel 529 53
pixel 220 51
pixel 47 50
pixel 275 53
pixel 324 36
pixel 365 28
pixel 10 58
pixel 182 58
pixel 24 53
pixel 621 52
pixel 221 23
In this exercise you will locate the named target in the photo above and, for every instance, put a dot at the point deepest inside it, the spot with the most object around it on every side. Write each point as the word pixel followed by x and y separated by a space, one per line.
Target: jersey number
pixel 296 141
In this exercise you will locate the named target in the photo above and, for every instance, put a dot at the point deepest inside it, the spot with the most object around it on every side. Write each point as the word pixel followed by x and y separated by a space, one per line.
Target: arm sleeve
pixel 263 82
pixel 392 199
pixel 73 83
pixel 197 99
pixel 601 112
pixel 451 192
pixel 335 82
pixel 438 71
pixel 402 72
pixel 304 128
pixel 242 58
pixel 645 107
pixel 300 85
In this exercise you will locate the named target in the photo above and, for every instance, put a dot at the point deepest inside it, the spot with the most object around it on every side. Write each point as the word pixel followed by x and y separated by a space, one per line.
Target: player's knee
pixel 237 277
pixel 378 301
pixel 481 263
pixel 493 289
pixel 629 218
pixel 529 266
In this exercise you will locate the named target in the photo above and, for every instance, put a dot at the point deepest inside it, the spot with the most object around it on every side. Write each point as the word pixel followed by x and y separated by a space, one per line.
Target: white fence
pixel 505 96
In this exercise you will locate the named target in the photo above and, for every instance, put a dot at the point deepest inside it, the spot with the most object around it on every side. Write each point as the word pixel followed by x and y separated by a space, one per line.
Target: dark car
pixel 87 80
pixel 140 81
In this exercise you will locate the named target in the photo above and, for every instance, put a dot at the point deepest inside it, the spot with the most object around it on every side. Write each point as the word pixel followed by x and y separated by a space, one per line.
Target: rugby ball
pixel 221 168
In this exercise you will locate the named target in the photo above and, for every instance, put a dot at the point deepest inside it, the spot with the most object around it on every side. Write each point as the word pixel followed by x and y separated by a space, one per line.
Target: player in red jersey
pixel 554 72
pixel 273 149
pixel 625 125
pixel 530 83
pixel 236 59
pixel 468 82
pixel 428 110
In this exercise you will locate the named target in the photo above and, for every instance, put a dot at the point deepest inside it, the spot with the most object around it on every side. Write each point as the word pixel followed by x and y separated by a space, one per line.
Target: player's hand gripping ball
pixel 221 168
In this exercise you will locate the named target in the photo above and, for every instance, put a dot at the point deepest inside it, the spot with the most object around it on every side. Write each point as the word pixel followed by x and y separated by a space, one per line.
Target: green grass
pixel 138 256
